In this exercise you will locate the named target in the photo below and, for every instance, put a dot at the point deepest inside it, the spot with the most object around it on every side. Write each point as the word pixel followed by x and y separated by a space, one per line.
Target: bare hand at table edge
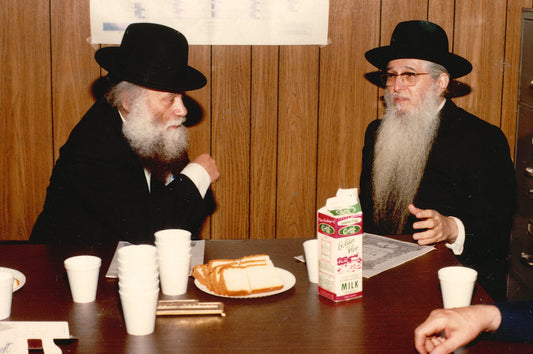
pixel 460 326
pixel 209 164
pixel 438 227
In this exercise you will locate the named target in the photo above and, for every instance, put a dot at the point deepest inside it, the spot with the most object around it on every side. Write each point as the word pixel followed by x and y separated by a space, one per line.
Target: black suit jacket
pixel 469 175
pixel 98 190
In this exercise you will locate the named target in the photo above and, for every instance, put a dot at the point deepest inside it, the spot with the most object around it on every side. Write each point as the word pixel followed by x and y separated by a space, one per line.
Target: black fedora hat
pixel 419 40
pixel 153 56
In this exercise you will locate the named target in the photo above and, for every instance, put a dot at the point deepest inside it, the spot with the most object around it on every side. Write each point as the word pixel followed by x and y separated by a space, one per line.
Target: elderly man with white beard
pixel 124 172
pixel 431 169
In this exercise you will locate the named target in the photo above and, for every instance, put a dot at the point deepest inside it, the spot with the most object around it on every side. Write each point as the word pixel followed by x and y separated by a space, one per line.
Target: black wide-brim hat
pixel 419 40
pixel 152 56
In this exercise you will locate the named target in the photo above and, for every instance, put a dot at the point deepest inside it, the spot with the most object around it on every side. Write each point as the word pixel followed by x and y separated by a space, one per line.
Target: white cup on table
pixel 174 258
pixel 311 259
pixel 457 285
pixel 82 272
pixel 174 274
pixel 173 236
pixel 139 311
pixel 6 294
pixel 138 284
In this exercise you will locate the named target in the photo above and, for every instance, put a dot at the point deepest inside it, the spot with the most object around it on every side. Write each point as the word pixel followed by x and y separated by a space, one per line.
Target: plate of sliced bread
pixel 247 277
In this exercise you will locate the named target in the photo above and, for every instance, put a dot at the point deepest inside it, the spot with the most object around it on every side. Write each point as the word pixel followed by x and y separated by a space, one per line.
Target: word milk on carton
pixel 340 236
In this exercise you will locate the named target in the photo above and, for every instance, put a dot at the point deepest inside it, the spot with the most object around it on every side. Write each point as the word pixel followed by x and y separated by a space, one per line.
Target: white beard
pixel 161 149
pixel 403 143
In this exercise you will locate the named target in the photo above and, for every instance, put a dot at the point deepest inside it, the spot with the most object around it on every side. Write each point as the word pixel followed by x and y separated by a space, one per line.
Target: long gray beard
pixel 161 151
pixel 403 144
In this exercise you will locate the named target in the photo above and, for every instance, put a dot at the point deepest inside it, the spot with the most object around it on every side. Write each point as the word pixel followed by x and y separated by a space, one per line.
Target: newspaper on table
pixel 381 253
pixel 197 256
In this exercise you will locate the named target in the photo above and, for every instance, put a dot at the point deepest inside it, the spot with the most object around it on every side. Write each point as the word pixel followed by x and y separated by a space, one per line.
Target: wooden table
pixel 299 320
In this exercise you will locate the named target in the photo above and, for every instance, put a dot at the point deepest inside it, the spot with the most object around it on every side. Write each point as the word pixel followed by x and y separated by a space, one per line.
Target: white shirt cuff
pixel 458 245
pixel 198 176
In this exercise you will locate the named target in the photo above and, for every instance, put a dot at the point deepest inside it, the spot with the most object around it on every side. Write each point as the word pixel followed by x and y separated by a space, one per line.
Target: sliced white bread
pixel 234 281
pixel 214 268
pixel 239 277
pixel 263 278
pixel 201 273
pixel 255 260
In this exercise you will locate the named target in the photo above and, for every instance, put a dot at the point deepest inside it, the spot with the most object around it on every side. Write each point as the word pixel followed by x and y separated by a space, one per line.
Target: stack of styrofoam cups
pixel 138 286
pixel 174 256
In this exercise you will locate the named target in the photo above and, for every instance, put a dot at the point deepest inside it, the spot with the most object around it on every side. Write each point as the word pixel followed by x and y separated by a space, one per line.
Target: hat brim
pixel 187 79
pixel 456 65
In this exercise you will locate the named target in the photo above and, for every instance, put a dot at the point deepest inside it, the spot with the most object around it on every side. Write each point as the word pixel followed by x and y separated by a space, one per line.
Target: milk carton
pixel 340 236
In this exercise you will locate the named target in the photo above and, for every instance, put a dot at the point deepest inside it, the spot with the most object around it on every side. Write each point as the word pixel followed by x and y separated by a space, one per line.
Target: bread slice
pixel 255 260
pixel 234 281
pixel 201 273
pixel 263 278
pixel 214 267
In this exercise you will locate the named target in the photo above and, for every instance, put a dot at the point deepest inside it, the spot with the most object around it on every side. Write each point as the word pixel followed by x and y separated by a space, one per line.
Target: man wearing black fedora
pixel 124 172
pixel 430 168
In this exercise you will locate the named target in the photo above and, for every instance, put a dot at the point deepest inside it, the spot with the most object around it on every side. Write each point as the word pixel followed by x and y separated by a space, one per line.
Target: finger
pixel 446 346
pixel 423 214
pixel 425 224
pixel 425 238
pixel 437 340
pixel 420 344
pixel 429 328
pixel 413 210
pixel 428 345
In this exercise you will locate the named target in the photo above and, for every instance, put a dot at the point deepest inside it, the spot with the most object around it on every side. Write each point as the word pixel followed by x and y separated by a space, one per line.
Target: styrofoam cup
pixel 174 276
pixel 6 294
pixel 136 254
pixel 173 254
pixel 140 263
pixel 138 271
pixel 311 259
pixel 82 272
pixel 139 311
pixel 457 285
pixel 152 284
pixel 173 235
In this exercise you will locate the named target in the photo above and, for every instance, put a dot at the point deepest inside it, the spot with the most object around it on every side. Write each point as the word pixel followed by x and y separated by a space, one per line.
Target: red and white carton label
pixel 340 236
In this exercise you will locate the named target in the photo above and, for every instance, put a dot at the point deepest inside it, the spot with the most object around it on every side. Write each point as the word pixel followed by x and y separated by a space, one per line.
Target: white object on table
pixel 311 259
pixel 14 335
pixel 457 285
pixel 197 257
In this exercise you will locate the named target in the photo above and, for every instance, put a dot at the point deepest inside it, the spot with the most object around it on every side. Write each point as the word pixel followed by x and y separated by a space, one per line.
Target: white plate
pixel 20 279
pixel 287 278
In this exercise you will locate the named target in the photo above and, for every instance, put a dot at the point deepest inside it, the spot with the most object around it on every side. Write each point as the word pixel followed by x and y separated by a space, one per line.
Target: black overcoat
pixel 469 175
pixel 98 190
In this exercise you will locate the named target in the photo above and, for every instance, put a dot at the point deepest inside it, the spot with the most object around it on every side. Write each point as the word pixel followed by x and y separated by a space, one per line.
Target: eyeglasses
pixel 407 78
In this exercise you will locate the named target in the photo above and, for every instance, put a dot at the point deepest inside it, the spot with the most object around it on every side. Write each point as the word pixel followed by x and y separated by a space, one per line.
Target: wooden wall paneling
pixel 200 133
pixel 345 96
pixel 25 114
pixel 231 140
pixel 263 144
pixel 74 69
pixel 396 11
pixel 480 38
pixel 512 69
pixel 297 148
pixel 442 12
